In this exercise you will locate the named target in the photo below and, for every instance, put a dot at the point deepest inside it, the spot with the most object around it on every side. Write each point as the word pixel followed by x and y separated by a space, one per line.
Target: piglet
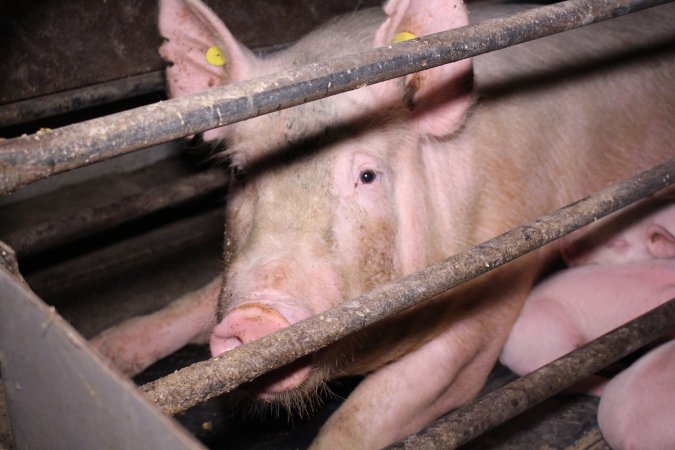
pixel 620 268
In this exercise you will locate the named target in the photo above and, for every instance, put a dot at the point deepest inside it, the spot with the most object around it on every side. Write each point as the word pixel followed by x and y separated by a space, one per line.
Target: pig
pixel 620 268
pixel 636 408
pixel 640 233
pixel 335 197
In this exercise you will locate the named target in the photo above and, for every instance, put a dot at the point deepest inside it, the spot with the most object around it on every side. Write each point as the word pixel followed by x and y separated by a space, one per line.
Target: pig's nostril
pixel 249 322
pixel 244 324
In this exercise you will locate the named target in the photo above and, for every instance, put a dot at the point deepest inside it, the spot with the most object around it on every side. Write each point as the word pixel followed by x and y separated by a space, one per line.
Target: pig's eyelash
pixel 236 166
pixel 238 172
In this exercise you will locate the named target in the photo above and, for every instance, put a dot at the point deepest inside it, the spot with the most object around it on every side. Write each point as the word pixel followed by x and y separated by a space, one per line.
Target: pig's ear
pixel 440 96
pixel 660 242
pixel 201 50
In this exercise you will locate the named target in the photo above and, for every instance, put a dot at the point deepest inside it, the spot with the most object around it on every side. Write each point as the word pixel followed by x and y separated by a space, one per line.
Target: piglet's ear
pixel 202 51
pixel 660 242
pixel 440 96
pixel 573 254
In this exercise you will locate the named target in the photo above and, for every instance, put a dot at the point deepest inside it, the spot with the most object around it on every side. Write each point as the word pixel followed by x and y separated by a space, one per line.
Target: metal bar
pixel 93 220
pixel 75 99
pixel 29 158
pixel 138 250
pixel 497 407
pixel 221 374
pixel 44 106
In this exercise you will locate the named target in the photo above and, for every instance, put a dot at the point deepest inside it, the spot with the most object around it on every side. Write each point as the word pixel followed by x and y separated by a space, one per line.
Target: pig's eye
pixel 239 173
pixel 367 176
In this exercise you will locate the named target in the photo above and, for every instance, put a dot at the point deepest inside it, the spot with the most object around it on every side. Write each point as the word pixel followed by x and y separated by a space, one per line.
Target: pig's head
pixel 643 232
pixel 328 199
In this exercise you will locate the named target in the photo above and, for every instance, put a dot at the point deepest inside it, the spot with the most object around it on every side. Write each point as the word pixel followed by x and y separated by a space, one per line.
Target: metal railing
pixel 26 159
pixel 201 381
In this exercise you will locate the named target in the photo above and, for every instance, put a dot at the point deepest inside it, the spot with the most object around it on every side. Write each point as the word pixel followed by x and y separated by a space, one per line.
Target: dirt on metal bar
pixel 199 382
pixel 29 158
pixel 93 220
pixel 497 407
pixel 9 263
pixel 72 100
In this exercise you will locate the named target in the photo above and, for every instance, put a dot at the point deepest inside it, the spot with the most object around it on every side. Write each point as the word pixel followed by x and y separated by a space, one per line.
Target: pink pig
pixel 335 197
pixel 622 267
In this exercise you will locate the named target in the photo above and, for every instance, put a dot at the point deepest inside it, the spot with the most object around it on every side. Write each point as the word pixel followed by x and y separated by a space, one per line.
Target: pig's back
pixel 595 49
pixel 561 117
pixel 344 35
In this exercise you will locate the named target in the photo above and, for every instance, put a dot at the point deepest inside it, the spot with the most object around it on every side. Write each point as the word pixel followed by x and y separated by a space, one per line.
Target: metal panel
pixel 59 393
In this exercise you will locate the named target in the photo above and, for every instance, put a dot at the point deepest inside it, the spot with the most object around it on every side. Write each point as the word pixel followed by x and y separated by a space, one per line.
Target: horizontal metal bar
pixel 495 408
pixel 72 100
pixel 75 99
pixel 204 380
pixel 137 251
pixel 29 158
pixel 93 220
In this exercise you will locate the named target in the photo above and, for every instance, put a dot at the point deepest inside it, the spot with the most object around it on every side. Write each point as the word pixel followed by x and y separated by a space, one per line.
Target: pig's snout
pixel 253 321
pixel 244 324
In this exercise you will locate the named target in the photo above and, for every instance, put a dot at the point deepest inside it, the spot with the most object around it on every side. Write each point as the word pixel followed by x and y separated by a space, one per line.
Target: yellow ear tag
pixel 215 57
pixel 403 36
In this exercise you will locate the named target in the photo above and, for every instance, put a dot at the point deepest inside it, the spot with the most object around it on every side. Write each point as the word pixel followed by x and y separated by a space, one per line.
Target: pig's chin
pixel 297 388
pixel 280 382
pixel 260 314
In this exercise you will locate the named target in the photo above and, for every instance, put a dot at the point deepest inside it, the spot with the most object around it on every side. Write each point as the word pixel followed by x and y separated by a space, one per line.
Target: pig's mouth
pixel 251 321
pixel 298 388
pixel 291 377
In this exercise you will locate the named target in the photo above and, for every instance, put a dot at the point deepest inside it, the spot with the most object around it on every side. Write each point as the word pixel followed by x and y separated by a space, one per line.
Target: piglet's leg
pixel 637 408
pixel 138 342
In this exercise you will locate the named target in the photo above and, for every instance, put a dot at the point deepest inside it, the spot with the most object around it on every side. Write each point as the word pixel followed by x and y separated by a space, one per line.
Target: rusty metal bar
pixel 201 381
pixel 495 408
pixel 74 99
pixel 29 158
pixel 93 220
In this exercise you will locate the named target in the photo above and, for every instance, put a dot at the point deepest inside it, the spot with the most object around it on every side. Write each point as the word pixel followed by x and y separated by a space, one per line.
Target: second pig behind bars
pixel 335 197
pixel 620 267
